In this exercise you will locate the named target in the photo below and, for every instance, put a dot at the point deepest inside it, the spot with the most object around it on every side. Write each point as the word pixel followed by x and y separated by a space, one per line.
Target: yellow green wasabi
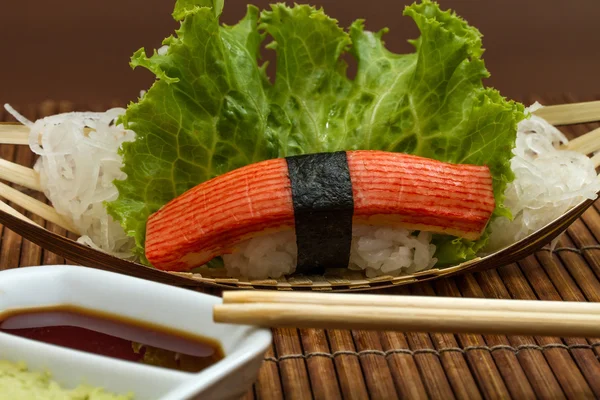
pixel 18 383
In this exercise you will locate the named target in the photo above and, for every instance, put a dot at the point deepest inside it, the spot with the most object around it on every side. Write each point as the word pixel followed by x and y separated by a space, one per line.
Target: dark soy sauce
pixel 113 336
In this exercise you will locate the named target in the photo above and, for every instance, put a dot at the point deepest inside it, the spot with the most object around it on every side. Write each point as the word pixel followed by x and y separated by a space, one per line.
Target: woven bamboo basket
pixel 342 280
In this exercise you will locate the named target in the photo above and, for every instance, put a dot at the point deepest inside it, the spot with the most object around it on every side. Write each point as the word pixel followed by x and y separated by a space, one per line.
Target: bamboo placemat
pixel 309 363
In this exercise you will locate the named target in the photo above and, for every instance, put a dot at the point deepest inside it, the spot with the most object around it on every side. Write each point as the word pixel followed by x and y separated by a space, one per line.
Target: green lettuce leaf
pixel 430 103
pixel 205 115
pixel 310 82
pixel 212 108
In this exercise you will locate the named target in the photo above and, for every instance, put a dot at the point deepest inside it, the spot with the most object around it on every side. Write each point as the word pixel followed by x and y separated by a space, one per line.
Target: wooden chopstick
pixel 409 319
pixel 409 314
pixel 432 302
pixel 572 113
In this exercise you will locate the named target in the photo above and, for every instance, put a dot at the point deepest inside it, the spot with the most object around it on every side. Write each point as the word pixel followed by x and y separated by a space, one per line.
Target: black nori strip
pixel 323 210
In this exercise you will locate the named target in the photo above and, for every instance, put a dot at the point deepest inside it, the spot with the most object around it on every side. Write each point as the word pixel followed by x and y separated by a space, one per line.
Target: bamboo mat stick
pixel 9 210
pixel 409 319
pixel 418 302
pixel 19 175
pixel 562 114
pixel 573 113
pixel 11 133
pixel 36 207
pixel 14 134
pixel 596 160
pixel 587 143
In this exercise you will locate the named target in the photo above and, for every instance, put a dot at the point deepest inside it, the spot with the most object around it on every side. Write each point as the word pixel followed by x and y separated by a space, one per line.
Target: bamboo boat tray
pixel 319 364
pixel 59 241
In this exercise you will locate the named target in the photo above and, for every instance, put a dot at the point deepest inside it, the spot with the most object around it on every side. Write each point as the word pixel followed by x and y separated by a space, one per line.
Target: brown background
pixel 79 50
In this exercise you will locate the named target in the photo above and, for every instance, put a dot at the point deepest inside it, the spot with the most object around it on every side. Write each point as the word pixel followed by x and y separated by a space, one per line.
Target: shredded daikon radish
pixel 77 167
pixel 163 50
pixel 548 182
pixel 18 116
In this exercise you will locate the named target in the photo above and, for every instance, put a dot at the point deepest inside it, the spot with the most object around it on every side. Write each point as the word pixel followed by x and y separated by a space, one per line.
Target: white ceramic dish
pixel 147 301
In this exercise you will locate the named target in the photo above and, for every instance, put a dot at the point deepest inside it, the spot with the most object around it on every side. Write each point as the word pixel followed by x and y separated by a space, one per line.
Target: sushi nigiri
pixel 320 198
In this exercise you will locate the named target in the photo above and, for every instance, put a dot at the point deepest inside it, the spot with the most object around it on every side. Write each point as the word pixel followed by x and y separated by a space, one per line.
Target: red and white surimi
pixel 390 189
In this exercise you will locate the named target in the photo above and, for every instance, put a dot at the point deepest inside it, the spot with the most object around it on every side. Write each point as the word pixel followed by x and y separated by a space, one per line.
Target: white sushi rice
pixel 390 251
pixel 375 250
pixel 77 170
pixel 267 256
